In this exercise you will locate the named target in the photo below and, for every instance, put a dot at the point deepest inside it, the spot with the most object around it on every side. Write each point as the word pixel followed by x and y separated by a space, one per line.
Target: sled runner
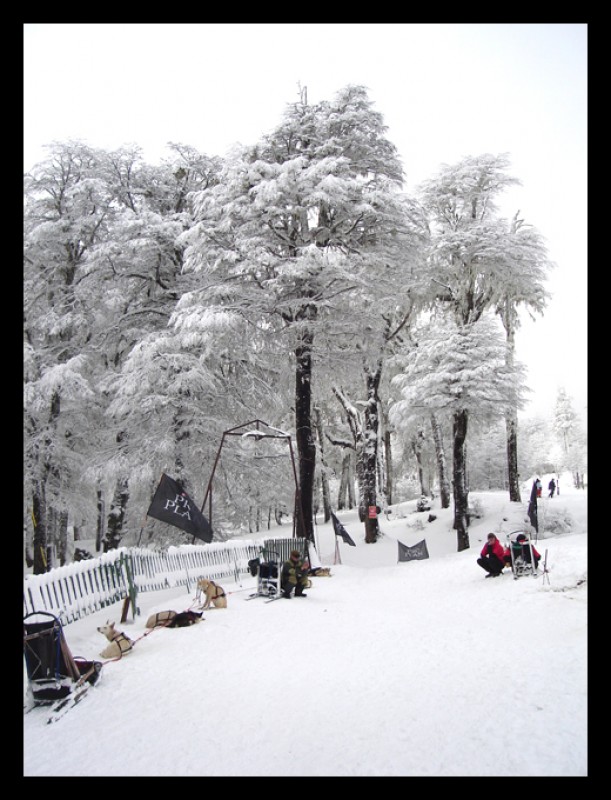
pixel 55 677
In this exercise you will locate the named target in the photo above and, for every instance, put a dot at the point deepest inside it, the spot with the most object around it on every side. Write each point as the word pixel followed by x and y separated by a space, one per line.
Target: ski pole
pixel 545 570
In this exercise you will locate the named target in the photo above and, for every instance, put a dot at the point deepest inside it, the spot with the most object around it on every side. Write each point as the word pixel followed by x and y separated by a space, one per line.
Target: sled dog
pixel 120 644
pixel 173 619
pixel 214 593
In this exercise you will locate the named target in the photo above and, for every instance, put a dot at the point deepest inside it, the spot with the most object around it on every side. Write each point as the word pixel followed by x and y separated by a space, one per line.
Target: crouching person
pixel 492 557
pixel 294 576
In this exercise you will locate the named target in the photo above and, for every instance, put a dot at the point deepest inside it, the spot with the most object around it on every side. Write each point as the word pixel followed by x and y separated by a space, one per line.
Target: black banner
pixel 414 553
pixel 341 531
pixel 532 508
pixel 173 505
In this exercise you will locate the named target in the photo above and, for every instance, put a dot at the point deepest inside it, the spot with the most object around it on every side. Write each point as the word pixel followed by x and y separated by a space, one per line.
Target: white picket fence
pixel 84 587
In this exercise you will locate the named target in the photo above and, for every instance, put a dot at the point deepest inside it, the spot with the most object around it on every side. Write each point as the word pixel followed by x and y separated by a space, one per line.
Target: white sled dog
pixel 214 593
pixel 120 644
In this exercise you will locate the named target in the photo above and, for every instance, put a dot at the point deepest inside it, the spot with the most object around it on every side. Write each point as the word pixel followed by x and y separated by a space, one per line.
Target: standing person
pixel 558 485
pixel 539 487
pixel 294 576
pixel 552 487
pixel 492 557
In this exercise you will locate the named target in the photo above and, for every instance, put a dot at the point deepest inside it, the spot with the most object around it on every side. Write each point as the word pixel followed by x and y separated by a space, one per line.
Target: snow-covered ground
pixel 419 668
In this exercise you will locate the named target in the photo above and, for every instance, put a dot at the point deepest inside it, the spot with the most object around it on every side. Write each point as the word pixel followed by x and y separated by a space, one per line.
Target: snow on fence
pixel 84 587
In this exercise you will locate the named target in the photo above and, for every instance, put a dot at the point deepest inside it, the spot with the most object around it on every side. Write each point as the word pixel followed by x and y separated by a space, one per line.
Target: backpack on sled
pixel 265 568
pixel 54 674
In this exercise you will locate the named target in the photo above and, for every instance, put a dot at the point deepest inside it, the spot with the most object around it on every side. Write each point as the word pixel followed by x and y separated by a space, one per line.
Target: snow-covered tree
pixel 291 230
pixel 565 421
pixel 67 211
pixel 102 271
pixel 139 278
pixel 570 435
pixel 472 259
pixel 457 371
pixel 526 269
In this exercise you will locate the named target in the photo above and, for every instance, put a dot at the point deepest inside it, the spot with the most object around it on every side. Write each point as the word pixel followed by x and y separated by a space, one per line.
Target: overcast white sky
pixel 445 90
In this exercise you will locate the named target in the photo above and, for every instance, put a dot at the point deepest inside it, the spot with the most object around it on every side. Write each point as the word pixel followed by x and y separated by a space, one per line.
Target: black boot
pixel 286 593
pixel 299 592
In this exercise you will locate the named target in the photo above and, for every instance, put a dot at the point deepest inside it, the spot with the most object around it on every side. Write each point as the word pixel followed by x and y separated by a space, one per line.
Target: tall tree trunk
pixel 116 516
pixel 100 521
pixel 442 472
pixel 359 470
pixel 369 456
pixel 390 478
pixel 342 494
pixel 51 517
pixel 181 439
pixel 62 538
pixel 416 443
pixel 27 549
pixel 380 459
pixel 354 464
pixel 461 492
pixel 508 318
pixel 324 474
pixel 39 541
pixel 317 495
pixel 511 427
pixel 351 480
pixel 306 447
pixel 77 531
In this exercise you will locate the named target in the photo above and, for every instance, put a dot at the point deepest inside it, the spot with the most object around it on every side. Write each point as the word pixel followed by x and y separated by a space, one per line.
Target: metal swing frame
pixel 262 430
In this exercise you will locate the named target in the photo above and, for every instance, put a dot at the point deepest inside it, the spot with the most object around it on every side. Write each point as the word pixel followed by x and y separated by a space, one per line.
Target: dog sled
pixel 266 570
pixel 56 678
pixel 523 556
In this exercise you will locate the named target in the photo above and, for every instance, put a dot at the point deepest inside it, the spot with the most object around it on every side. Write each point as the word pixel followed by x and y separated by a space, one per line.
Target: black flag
pixel 173 505
pixel 414 553
pixel 341 531
pixel 532 508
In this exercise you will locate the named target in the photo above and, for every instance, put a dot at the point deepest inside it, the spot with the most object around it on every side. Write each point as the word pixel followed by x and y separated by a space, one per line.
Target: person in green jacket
pixel 294 576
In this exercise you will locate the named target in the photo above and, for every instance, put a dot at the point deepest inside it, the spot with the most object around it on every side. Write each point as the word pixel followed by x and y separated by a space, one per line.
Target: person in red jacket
pixel 492 557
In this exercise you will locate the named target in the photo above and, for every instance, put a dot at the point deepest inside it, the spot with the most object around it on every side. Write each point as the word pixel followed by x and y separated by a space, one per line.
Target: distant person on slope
pixel 539 487
pixel 492 557
pixel 552 487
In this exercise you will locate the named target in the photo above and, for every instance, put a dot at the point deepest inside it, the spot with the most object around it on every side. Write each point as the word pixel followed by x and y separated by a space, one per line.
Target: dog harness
pixel 218 594
pixel 162 618
pixel 120 638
